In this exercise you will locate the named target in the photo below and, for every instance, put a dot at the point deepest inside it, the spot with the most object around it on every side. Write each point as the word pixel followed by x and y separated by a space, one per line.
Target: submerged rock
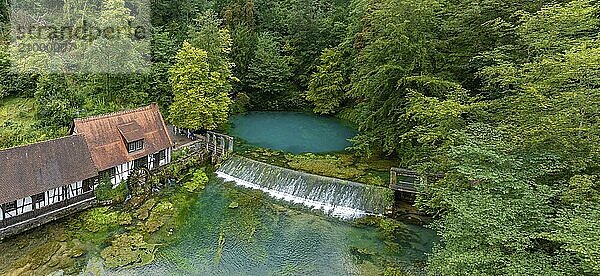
pixel 128 250
pixel 163 212
pixel 143 212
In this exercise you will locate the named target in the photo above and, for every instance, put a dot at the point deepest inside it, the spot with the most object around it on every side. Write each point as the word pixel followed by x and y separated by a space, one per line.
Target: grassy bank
pixel 19 124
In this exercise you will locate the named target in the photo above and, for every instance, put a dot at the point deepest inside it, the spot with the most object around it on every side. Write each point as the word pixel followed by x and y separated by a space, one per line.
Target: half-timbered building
pixel 121 142
pixel 41 178
pixel 44 181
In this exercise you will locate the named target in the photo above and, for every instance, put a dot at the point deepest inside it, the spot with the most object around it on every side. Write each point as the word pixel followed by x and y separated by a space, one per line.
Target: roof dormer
pixel 133 136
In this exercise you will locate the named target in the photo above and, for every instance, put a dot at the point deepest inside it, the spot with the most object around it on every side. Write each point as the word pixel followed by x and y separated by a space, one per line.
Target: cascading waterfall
pixel 339 198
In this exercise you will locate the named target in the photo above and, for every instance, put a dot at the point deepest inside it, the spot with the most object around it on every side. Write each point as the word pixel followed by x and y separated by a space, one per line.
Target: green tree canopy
pixel 201 95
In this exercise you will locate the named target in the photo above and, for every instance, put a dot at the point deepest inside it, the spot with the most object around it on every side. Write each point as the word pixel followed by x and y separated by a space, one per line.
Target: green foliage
pixel 198 181
pixel 240 104
pixel 269 72
pixel 242 51
pixel 57 103
pixel 520 193
pixel 206 34
pixel 20 125
pixel 328 86
pixel 201 100
pixel 105 191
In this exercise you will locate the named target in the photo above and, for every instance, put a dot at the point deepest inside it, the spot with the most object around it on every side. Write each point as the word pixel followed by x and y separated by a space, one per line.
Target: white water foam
pixel 334 211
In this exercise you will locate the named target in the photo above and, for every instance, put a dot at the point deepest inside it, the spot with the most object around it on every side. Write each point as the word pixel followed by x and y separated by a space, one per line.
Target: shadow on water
pixel 235 231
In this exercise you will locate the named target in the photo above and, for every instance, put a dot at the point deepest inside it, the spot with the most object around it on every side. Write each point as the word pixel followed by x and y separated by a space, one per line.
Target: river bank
pixel 126 234
pixel 152 235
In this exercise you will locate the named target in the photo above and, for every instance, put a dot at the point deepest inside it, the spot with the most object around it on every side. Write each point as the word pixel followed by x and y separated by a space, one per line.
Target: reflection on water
pixel 293 132
pixel 262 238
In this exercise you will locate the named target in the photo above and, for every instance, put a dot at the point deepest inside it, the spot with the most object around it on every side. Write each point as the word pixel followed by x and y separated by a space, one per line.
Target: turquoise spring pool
pixel 294 132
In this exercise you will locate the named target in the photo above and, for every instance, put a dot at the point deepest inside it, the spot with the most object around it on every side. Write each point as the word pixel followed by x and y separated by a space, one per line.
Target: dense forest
pixel 498 101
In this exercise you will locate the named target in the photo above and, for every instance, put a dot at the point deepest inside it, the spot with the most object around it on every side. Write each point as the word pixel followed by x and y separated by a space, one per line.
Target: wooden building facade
pixel 121 142
pixel 41 181
pixel 42 177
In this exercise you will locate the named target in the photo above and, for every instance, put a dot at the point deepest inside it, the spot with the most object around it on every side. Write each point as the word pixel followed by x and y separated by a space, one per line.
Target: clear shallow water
pixel 294 132
pixel 263 238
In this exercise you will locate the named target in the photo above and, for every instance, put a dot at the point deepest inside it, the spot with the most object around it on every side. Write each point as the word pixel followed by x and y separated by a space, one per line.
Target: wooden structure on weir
pixel 215 145
pixel 403 180
pixel 218 145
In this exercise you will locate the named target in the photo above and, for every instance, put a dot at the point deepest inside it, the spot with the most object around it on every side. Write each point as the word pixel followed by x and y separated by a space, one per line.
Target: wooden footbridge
pixel 403 180
pixel 213 145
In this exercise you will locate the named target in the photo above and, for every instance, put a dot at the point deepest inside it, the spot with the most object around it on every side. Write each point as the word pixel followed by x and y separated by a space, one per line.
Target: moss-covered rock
pixel 327 165
pixel 162 212
pixel 38 257
pixel 144 211
pixel 128 250
pixel 103 219
pixel 372 179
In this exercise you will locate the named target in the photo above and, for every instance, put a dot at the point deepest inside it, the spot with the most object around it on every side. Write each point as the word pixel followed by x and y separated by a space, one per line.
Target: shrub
pixel 198 181
pixel 105 191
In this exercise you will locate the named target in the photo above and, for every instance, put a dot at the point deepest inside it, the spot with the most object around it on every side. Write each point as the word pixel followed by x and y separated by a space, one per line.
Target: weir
pixel 339 198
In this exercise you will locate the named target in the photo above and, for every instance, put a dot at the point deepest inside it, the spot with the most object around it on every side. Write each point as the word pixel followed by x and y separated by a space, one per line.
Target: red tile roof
pixel 107 135
pixel 131 131
pixel 39 167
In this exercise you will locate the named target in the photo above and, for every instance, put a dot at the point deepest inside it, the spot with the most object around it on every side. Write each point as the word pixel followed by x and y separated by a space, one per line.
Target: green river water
pixel 262 237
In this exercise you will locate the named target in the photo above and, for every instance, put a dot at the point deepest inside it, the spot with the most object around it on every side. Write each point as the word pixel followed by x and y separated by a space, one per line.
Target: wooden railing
pixel 218 144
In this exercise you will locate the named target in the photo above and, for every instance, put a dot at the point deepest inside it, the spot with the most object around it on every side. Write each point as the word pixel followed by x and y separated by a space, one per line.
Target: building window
pixel 108 174
pixel 135 146
pixel 57 194
pixel 39 198
pixel 89 184
pixel 162 155
pixel 141 162
pixel 27 205
pixel 10 207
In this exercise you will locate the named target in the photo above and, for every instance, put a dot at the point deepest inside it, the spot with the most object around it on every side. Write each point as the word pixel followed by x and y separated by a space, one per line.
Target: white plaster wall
pixel 73 189
pixel 22 202
pixel 50 194
pixel 122 172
